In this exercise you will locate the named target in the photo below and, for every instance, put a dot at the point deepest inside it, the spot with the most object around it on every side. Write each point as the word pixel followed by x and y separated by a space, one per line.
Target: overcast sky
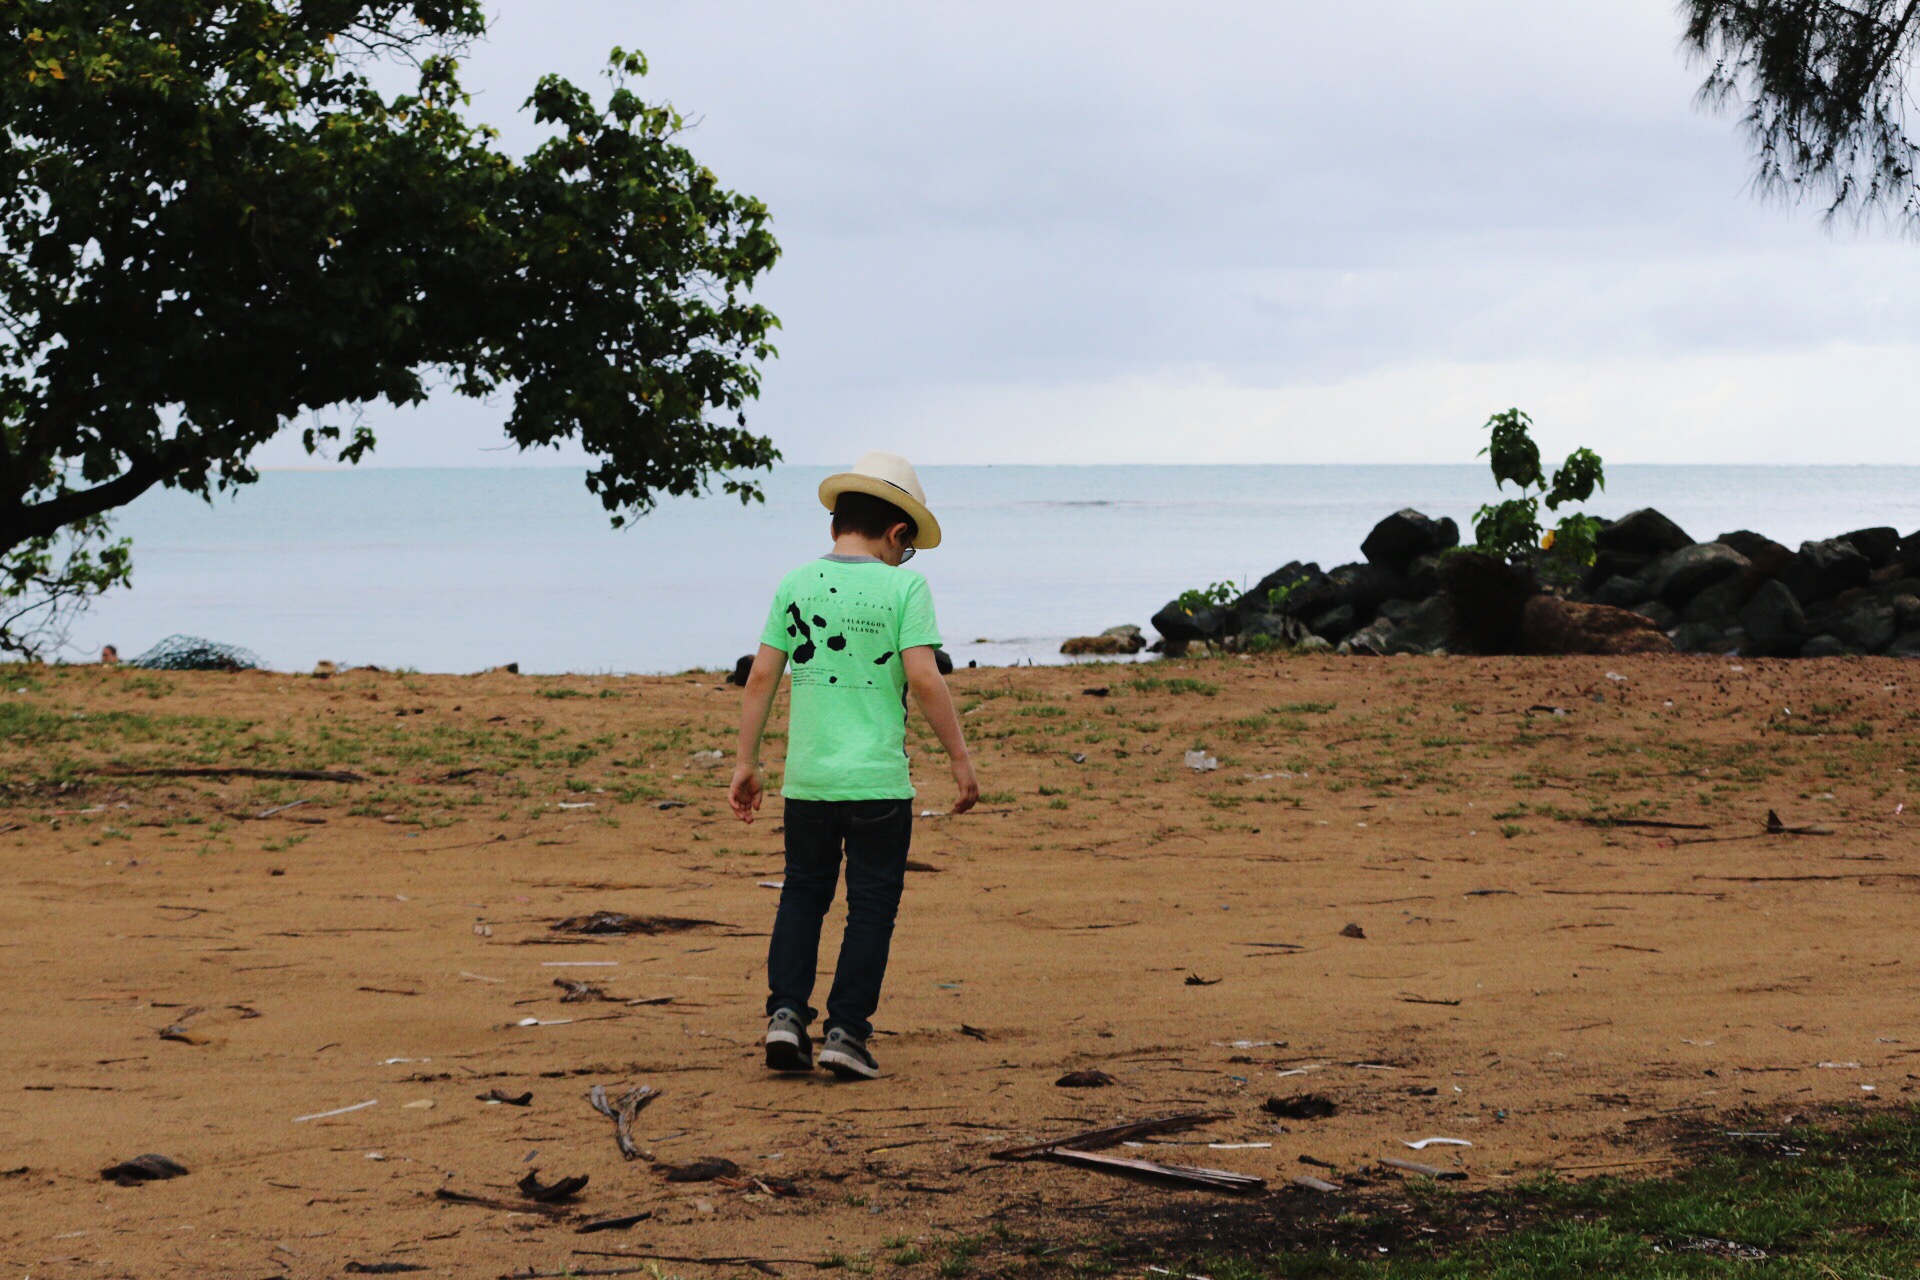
pixel 1265 232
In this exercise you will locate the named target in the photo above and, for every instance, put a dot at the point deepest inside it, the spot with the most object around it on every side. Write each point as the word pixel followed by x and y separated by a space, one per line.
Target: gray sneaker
pixel 847 1057
pixel 788 1046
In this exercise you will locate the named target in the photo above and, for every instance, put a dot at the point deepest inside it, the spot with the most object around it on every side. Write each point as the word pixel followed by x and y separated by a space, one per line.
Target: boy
pixel 861 633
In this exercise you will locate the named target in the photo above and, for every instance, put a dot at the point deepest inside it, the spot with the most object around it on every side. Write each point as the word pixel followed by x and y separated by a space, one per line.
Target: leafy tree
pixel 213 226
pixel 1821 87
pixel 1510 530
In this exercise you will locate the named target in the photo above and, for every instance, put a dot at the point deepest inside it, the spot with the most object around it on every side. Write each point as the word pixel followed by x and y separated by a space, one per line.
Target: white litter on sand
pixel 338 1111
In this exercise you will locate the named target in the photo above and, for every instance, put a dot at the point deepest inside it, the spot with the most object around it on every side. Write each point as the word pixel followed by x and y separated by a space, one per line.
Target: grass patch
pixel 1173 684
pixel 1801 1203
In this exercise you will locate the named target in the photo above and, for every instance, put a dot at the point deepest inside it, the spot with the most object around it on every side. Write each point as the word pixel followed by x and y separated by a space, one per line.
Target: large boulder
pixel 1868 625
pixel 1703 637
pixel 1111 642
pixel 1658 614
pixel 1176 624
pixel 1368 641
pixel 1336 623
pixel 1766 556
pixel 1824 569
pixel 1363 587
pixel 1906 646
pixel 1306 592
pixel 1618 564
pixel 1825 646
pixel 1908 552
pixel 1774 622
pixel 1906 611
pixel 1427 628
pixel 1423 576
pixel 1555 626
pixel 1878 545
pixel 1689 571
pixel 1406 535
pixel 1719 605
pixel 1644 532
pixel 1620 591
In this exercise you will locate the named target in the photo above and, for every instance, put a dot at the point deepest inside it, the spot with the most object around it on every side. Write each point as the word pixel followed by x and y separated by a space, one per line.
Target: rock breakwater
pixel 1651 588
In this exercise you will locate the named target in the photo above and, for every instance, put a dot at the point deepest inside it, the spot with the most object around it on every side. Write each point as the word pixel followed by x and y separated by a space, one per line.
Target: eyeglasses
pixel 906 553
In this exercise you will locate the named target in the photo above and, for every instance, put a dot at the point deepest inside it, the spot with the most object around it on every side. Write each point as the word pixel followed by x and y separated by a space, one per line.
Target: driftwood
pixel 1185 1175
pixel 1424 1170
pixel 1314 1184
pixel 487 1202
pixel 556 1192
pixel 1094 1139
pixel 622 1113
pixel 1601 820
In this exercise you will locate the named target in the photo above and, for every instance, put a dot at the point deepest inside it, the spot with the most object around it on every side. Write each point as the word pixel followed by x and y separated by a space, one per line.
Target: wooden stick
pixel 1424 1170
pixel 1186 1175
pixel 622 1114
pixel 1094 1139
pixel 1314 1184
pixel 484 1202
pixel 1603 821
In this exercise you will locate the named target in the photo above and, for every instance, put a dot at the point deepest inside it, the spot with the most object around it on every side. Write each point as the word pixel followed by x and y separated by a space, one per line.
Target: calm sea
pixel 456 570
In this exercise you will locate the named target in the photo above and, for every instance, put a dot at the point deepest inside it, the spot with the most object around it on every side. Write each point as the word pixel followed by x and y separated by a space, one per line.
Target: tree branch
pixel 44 519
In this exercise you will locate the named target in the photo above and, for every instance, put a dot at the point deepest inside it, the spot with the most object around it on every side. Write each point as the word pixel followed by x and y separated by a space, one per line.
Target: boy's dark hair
pixel 871 517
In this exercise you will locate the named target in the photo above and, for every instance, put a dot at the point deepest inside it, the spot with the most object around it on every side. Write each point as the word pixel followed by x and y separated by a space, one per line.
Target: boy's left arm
pixel 747 791
pixel 936 703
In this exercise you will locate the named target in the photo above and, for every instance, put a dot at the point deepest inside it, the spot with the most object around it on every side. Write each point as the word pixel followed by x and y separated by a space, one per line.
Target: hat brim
pixel 926 528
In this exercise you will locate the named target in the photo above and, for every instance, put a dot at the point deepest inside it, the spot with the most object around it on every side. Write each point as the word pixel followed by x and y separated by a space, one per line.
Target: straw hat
pixel 890 477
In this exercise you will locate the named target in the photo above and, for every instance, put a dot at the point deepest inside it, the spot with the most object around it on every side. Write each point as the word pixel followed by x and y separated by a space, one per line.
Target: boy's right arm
pixel 747 791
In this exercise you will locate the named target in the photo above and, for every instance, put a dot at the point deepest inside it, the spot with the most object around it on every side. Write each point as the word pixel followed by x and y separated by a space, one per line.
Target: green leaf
pixel 1512 452
pixel 1509 530
pixel 1576 479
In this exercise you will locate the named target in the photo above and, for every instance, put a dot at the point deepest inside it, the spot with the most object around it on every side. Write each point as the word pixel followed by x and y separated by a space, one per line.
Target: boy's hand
pixel 746 793
pixel 969 786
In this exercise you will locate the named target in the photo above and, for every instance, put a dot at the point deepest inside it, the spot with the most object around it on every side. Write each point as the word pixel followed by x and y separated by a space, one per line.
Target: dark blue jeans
pixel 874 834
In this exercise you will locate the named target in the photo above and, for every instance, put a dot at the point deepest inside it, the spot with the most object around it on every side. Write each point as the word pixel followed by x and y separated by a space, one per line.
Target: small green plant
pixel 1277 597
pixel 1511 529
pixel 1211 597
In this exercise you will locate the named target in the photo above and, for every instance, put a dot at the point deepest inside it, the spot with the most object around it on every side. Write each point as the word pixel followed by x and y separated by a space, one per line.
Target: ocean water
pixel 461 569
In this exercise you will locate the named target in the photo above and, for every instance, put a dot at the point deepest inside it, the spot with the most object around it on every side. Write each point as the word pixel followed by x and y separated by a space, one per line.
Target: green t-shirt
pixel 843 622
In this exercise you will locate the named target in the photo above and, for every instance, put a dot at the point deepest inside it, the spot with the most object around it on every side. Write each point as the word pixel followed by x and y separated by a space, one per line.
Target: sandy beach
pixel 204 966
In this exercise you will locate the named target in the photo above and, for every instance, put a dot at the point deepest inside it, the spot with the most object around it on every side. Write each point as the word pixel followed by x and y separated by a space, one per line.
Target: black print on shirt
pixel 804 653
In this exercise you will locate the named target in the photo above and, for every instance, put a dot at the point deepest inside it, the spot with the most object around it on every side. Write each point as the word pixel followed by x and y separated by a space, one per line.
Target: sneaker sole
pixel 848 1067
pixel 785 1054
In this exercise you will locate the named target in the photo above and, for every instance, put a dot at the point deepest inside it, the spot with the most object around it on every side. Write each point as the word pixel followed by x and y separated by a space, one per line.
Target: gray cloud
pixel 1021 199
